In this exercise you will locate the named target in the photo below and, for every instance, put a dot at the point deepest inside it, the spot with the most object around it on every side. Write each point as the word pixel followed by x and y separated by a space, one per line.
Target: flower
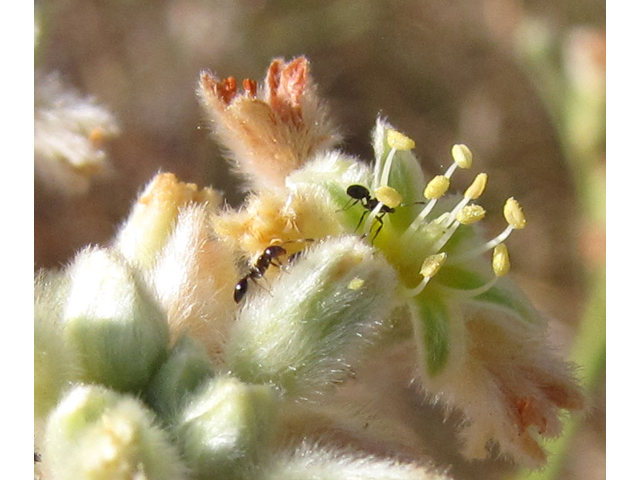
pixel 480 344
pixel 272 129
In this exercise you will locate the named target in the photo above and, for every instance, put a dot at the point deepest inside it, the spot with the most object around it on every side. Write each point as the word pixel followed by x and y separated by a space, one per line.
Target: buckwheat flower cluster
pixel 207 342
pixel 69 136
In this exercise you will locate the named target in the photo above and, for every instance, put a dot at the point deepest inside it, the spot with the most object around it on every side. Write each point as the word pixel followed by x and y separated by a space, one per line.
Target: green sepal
pixel 504 295
pixel 432 332
pixel 405 176
pixel 507 297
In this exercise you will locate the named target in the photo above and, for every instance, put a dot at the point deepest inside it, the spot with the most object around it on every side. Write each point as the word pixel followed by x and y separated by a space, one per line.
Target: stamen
pixel 434 190
pixel 384 179
pixel 470 214
pixel 513 214
pixel 437 187
pixel 430 267
pixel 473 192
pixel 501 264
pixel 462 155
pixel 368 224
pixel 397 141
pixel 389 196
pixel 451 229
pixel 477 186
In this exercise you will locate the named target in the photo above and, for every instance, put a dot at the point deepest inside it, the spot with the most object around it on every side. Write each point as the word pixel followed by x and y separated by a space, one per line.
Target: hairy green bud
pixel 315 321
pixel 99 434
pixel 116 330
pixel 226 427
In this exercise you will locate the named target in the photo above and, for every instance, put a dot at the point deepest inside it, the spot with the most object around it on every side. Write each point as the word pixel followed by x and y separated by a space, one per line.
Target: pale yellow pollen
pixel 388 196
pixel 399 141
pixel 462 155
pixel 432 264
pixel 477 187
pixel 437 187
pixel 501 263
pixel 356 284
pixel 470 214
pixel 513 214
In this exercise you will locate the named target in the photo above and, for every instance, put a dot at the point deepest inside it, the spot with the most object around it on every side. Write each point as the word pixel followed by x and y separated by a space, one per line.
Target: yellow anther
pixel 399 141
pixel 477 187
pixel 513 214
pixel 462 155
pixel 437 187
pixel 356 284
pixel 389 196
pixel 470 214
pixel 432 264
pixel 501 264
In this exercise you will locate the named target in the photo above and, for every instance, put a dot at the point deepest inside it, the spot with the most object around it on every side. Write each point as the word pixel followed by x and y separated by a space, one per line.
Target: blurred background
pixel 522 83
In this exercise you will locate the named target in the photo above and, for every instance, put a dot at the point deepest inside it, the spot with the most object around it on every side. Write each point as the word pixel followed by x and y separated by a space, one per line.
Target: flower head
pixel 279 304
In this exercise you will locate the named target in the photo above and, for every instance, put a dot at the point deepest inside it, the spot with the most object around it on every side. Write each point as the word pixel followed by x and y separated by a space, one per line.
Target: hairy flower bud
pixel 226 427
pixel 112 324
pixel 312 323
pixel 153 216
pixel 98 434
pixel 53 364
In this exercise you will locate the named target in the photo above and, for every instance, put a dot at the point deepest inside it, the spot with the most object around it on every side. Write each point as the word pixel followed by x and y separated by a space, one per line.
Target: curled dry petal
pixel 509 384
pixel 270 130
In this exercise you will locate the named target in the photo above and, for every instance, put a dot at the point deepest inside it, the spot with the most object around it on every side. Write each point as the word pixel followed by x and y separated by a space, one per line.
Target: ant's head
pixel 274 251
pixel 358 192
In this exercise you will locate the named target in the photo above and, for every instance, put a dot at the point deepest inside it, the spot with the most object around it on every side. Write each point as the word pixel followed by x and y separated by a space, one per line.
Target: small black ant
pixel 360 194
pixel 270 256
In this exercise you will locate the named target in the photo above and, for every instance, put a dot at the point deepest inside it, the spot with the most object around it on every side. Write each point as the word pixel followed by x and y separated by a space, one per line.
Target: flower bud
pixel 304 332
pixel 187 367
pixel 52 362
pixel 96 433
pixel 154 214
pixel 225 428
pixel 111 323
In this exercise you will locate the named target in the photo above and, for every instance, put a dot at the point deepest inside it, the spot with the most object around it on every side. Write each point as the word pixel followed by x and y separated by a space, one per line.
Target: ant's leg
pixel 259 285
pixel 379 219
pixel 349 204
pixel 361 219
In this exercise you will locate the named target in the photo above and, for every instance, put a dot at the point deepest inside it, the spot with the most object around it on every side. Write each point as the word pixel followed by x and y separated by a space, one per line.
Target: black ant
pixel 270 256
pixel 360 194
